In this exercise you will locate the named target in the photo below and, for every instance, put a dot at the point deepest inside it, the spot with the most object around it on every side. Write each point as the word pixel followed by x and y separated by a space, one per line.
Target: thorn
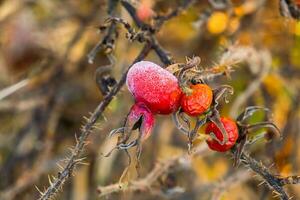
pixel 50 181
pixel 76 138
pixel 41 193
pixel 86 118
pixel 59 166
pixel 261 183
pixel 79 160
pixel 104 118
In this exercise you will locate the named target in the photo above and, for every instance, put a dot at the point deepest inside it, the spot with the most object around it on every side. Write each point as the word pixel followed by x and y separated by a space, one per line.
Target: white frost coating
pixel 152 77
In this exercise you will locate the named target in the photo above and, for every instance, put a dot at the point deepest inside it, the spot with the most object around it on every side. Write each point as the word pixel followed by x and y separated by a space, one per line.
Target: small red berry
pixel 154 86
pixel 198 101
pixel 140 113
pixel 144 12
pixel 231 129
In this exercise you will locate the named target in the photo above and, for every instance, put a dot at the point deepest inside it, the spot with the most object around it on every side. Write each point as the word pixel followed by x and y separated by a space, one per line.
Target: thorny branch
pixel 276 184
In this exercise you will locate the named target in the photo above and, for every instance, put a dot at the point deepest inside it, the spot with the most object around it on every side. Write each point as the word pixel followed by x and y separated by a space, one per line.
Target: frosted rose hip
pixel 154 86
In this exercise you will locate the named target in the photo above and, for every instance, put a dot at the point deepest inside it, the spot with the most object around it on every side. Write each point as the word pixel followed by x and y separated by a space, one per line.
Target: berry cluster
pixel 158 91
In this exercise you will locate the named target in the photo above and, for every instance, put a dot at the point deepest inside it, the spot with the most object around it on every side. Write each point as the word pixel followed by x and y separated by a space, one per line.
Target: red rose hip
pixel 156 87
pixel 232 133
pixel 198 101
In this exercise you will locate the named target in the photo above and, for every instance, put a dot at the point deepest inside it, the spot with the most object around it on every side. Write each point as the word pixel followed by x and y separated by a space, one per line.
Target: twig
pixel 141 184
pixel 110 36
pixel 290 180
pixel 13 88
pixel 289 9
pixel 147 182
pixel 162 19
pixel 23 105
pixel 163 55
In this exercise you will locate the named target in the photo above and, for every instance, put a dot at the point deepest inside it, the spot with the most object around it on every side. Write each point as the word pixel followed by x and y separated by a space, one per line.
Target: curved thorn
pixel 270 125
pixel 190 63
pixel 249 111
pixel 186 120
pixel 221 91
pixel 117 131
pixel 127 146
pixel 256 138
pixel 110 152
pixel 215 118
pixel 192 134
pixel 178 124
pixel 214 137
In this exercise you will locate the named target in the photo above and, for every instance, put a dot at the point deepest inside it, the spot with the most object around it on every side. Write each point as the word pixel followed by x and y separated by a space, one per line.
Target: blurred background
pixel 47 86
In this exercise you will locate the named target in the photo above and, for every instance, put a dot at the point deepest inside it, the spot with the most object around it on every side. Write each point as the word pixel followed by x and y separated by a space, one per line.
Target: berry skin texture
pixel 231 129
pixel 156 87
pixel 198 101
pixel 137 111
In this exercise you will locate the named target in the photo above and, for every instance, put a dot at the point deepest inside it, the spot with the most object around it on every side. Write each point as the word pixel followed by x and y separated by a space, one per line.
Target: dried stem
pixel 147 182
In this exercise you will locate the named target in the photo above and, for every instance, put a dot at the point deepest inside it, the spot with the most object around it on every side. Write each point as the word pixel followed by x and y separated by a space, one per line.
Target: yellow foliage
pixel 275 87
pixel 281 108
pixel 282 157
pixel 295 55
pixel 180 29
pixel 273 84
pixel 217 23
pixel 297 28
